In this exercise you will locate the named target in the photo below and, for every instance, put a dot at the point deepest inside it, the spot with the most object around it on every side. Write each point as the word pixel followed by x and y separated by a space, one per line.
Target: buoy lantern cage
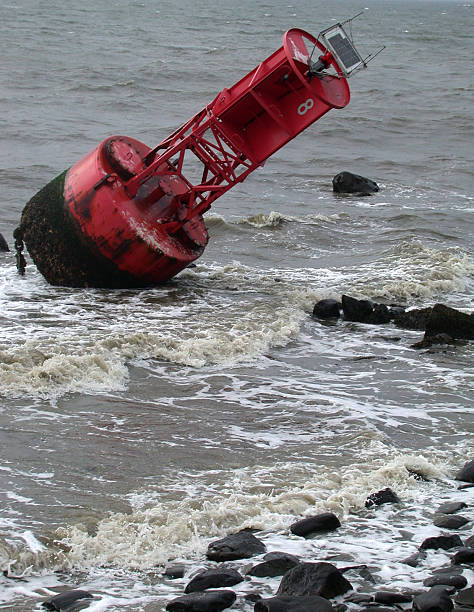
pixel 130 215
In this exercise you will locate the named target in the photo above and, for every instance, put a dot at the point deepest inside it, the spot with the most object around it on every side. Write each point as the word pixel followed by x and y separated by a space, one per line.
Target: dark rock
pixel 414 560
pixel 450 521
pixel 434 600
pixel 444 542
pixel 274 564
pixel 240 545
pixel 417 475
pixel 286 603
pixel 213 578
pixel 446 320
pixel 346 182
pixel 64 601
pixel 174 571
pixel 356 310
pixel 458 581
pixel 389 597
pixel 413 319
pixel 209 601
pixel 451 507
pixel 464 556
pixel 340 607
pixel 428 341
pixel 252 597
pixel 469 543
pixel 396 311
pixel 385 496
pixel 3 244
pixel 327 309
pixel 466 473
pixel 359 598
pixel 314 579
pixel 466 597
pixel 361 570
pixel 450 570
pixel 327 521
pixel 364 311
pixel 466 486
pixel 375 608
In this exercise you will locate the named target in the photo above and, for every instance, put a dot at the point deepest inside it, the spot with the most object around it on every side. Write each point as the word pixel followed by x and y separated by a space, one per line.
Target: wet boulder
pixel 65 601
pixel 286 603
pixel 327 309
pixel 213 578
pixel 443 542
pixel 3 244
pixel 466 473
pixel 385 496
pixel 391 597
pixel 412 319
pixel 446 320
pixel 364 311
pixel 322 579
pixel 464 556
pixel 437 599
pixel 466 598
pixel 347 182
pixel 327 521
pixel 208 601
pixel 450 521
pixel 451 507
pixel 240 545
pixel 274 564
pixel 458 581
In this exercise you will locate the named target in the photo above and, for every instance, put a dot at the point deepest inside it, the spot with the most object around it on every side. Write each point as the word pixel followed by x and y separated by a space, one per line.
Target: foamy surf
pixel 267 500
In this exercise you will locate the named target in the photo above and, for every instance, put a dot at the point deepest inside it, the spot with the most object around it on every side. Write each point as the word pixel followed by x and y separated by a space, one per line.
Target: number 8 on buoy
pixel 304 107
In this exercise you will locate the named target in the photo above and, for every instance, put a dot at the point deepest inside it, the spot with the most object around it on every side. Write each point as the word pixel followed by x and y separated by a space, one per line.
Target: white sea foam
pixel 159 531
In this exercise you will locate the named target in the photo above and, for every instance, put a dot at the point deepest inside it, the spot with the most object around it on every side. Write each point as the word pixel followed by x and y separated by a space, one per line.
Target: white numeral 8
pixel 304 107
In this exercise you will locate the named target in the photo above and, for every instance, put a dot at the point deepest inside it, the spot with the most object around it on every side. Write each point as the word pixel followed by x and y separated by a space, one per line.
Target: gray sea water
pixel 136 426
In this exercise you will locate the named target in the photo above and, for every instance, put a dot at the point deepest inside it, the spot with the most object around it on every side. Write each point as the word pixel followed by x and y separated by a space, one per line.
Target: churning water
pixel 136 426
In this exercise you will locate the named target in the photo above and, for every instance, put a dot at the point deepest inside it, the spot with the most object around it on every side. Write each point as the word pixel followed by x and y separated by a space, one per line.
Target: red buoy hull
pixel 130 232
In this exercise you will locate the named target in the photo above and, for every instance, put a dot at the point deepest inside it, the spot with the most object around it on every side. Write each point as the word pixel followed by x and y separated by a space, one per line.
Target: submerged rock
pixel 3 244
pixel 314 579
pixel 327 521
pixel 385 496
pixel 208 601
pixel 240 545
pixel 64 601
pixel 346 182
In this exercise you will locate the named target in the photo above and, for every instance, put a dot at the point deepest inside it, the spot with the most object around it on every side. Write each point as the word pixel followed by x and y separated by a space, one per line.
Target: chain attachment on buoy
pixel 19 246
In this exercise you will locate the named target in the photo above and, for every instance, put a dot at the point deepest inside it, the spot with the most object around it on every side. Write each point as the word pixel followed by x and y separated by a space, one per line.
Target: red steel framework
pixel 152 200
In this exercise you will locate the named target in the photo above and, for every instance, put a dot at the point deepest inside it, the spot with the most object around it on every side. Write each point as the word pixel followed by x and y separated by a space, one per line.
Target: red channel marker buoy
pixel 127 215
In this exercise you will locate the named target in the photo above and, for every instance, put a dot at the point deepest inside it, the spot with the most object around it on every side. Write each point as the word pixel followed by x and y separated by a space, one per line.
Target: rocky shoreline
pixel 318 585
pixel 441 324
